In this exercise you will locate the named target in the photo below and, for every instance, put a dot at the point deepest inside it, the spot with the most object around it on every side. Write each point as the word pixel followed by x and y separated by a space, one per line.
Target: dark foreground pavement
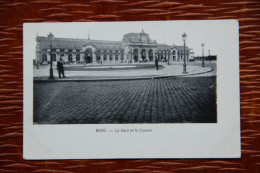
pixel 168 100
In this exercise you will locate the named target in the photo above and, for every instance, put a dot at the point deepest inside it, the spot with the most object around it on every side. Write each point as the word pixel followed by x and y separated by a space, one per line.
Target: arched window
pixel 116 55
pixel 136 55
pixel 150 55
pixel 89 55
pixel 143 54
pixel 62 56
pixel 110 56
pixel 70 58
pixel 122 55
pixel 44 57
pixel 78 57
pixel 98 55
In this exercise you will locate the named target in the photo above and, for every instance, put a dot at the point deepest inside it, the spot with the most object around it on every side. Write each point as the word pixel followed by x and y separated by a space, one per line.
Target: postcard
pixel 146 89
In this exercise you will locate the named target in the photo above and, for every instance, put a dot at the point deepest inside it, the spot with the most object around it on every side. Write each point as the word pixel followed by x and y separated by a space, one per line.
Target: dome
pixel 137 38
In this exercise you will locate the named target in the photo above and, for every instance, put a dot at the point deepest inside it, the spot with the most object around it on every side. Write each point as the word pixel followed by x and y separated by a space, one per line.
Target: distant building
pixel 134 47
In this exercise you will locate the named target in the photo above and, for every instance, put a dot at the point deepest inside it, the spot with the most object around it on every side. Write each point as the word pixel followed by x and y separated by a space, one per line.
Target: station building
pixel 134 47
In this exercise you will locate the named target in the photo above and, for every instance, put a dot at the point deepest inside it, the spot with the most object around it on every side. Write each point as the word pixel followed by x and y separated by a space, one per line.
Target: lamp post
pixel 202 45
pixel 209 55
pixel 184 37
pixel 50 37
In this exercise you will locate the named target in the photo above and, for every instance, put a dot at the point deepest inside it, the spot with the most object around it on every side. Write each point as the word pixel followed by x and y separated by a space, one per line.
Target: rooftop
pixel 141 38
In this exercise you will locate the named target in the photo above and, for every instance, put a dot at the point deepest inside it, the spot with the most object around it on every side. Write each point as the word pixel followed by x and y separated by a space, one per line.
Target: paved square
pixel 166 100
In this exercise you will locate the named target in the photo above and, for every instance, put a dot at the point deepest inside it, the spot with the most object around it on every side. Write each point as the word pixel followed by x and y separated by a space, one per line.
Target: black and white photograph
pixel 136 89
pixel 119 73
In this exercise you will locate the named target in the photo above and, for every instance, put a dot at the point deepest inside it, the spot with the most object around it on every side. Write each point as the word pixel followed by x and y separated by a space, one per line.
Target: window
pixel 70 58
pixel 116 57
pixel 77 57
pixel 150 55
pixel 110 56
pixel 62 56
pixel 44 57
pixel 98 55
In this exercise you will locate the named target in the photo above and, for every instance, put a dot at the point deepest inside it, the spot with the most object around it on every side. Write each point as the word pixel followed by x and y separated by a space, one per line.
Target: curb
pixel 119 79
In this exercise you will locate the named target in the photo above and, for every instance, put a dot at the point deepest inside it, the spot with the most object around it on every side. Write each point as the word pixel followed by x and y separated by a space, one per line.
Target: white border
pixel 214 140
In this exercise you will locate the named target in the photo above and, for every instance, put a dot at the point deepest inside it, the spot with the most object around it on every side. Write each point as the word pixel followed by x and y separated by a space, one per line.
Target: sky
pixel 213 33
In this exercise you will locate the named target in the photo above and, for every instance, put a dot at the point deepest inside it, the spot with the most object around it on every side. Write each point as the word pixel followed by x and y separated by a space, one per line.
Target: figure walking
pixel 60 68
pixel 156 63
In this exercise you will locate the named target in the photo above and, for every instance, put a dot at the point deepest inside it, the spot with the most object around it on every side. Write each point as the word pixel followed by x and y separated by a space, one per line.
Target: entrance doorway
pixel 78 58
pixel 88 55
pixel 143 53
pixel 150 55
pixel 135 55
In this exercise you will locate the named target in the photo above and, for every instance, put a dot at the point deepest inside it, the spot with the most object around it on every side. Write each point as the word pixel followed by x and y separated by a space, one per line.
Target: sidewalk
pixel 172 70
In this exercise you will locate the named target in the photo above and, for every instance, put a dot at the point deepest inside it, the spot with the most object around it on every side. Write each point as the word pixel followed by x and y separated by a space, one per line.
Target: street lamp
pixel 50 38
pixel 184 37
pixel 209 55
pixel 202 45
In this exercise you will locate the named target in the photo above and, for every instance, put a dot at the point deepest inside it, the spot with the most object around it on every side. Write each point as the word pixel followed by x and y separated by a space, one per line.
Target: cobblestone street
pixel 168 100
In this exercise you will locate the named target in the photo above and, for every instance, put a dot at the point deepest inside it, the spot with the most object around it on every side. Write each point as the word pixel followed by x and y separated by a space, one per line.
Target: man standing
pixel 60 68
pixel 156 63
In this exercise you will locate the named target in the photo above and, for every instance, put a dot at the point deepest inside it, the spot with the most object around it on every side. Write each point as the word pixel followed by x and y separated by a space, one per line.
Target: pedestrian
pixel 156 63
pixel 60 68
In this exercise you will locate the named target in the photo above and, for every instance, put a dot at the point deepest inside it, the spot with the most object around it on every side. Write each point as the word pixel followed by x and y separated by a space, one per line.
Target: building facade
pixel 134 47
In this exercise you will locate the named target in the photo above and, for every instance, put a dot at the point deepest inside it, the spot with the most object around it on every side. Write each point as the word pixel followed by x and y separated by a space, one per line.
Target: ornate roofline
pixel 76 39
